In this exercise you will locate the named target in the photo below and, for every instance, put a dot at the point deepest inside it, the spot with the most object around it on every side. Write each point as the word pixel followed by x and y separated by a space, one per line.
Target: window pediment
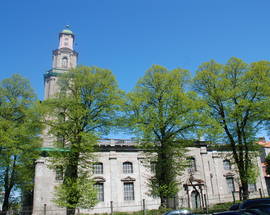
pixel 128 179
pixel 229 175
pixel 99 179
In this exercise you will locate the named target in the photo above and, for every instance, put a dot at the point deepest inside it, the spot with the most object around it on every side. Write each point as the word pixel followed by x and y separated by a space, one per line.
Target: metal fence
pixel 141 208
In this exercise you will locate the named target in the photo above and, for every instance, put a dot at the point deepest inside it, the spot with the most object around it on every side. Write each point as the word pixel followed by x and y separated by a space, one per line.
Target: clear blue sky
pixel 128 36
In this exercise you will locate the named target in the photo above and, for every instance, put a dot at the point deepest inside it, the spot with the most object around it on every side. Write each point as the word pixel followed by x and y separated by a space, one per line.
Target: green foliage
pixel 267 163
pixel 237 95
pixel 252 173
pixel 85 108
pixel 81 191
pixel 162 114
pixel 19 130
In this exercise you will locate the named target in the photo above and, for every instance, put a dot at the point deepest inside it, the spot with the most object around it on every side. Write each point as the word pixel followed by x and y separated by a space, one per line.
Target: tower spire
pixel 66 38
pixel 64 59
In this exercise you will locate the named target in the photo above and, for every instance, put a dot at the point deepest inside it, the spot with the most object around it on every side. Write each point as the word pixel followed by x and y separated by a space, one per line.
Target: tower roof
pixel 67 31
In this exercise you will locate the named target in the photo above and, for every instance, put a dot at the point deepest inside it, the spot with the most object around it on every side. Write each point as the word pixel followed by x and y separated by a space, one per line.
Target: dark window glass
pixel 59 173
pixel 129 191
pixel 97 168
pixel 230 184
pixel 252 187
pixel 100 191
pixel 127 167
pixel 192 164
pixel 227 165
pixel 64 62
pixel 153 166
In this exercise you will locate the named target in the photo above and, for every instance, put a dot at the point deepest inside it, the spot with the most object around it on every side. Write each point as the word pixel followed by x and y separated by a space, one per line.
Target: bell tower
pixel 64 58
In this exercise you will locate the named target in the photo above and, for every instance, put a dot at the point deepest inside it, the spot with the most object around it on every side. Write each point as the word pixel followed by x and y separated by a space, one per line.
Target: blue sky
pixel 127 36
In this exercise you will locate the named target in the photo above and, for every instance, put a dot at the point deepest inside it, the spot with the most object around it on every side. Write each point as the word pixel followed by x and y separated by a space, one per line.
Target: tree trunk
pixel 27 201
pixel 72 174
pixel 5 206
pixel 70 211
pixel 165 174
pixel 163 202
pixel 245 190
pixel 7 189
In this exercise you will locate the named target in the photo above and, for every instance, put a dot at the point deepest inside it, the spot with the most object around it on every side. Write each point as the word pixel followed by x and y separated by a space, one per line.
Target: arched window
pixel 127 167
pixel 192 164
pixel 98 168
pixel 64 62
pixel 227 164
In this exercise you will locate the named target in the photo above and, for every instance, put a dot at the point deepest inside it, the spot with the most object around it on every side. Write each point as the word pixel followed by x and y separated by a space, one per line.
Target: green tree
pixel 267 164
pixel 237 95
pixel 19 130
pixel 84 109
pixel 163 115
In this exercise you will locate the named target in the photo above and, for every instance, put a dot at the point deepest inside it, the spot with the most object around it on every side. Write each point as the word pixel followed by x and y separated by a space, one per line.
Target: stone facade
pixel 121 173
pixel 264 152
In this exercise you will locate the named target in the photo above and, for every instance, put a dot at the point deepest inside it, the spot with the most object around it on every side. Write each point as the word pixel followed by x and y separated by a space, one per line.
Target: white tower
pixel 64 59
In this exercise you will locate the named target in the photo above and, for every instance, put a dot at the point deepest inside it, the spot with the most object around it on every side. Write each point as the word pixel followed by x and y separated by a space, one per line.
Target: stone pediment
pixel 192 181
pixel 229 175
pixel 196 180
pixel 128 179
pixel 99 179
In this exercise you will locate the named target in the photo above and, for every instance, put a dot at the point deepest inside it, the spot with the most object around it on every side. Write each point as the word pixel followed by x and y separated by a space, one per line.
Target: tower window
pixel 59 173
pixel 227 165
pixel 153 166
pixel 64 62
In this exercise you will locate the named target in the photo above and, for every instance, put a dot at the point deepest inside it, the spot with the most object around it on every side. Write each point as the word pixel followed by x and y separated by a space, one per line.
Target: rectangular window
pixel 252 187
pixel 230 183
pixel 153 166
pixel 127 167
pixel 192 164
pixel 129 191
pixel 59 173
pixel 97 168
pixel 100 191
pixel 227 165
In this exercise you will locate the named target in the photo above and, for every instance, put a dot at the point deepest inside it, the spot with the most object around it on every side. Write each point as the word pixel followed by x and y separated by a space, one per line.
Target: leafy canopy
pixel 85 108
pixel 237 95
pixel 162 114
pixel 19 136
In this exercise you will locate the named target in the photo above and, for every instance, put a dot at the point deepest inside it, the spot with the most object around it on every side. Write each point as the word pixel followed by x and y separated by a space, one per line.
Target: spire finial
pixel 68 26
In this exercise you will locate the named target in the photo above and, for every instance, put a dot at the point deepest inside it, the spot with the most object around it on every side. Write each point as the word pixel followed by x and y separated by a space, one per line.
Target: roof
pixel 67 31
pixel 264 143
pixel 52 149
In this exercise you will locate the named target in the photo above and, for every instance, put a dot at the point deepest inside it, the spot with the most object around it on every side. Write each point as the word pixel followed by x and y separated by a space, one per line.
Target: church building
pixel 121 174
